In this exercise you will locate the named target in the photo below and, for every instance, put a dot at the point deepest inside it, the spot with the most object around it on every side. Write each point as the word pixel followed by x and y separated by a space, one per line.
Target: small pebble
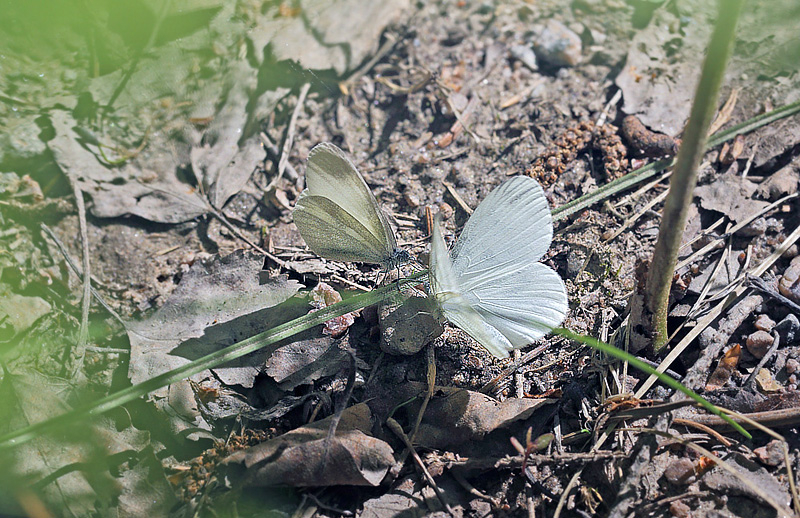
pixel 575 260
pixel 455 35
pixel 446 210
pixel 756 228
pixel 764 323
pixel 480 508
pixel 22 139
pixel 771 454
pixel 792 366
pixel 411 199
pixel 788 329
pixel 766 383
pixel 558 45
pixel 680 472
pixel 778 184
pixel 759 343
pixel 406 328
pixel 706 239
pixel 422 158
pixel 525 55
pixel 789 284
pixel 791 252
pixel 679 509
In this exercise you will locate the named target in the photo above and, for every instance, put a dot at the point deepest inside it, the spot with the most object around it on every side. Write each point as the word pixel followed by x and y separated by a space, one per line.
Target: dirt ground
pixel 191 245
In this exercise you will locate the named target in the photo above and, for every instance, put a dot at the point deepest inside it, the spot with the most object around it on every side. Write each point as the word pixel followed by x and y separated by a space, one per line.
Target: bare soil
pixel 449 111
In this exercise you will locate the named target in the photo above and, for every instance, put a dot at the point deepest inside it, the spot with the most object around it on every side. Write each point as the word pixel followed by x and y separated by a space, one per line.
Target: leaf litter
pixel 419 148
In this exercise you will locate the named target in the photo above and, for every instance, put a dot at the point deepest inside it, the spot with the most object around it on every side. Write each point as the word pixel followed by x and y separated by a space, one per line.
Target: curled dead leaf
pixel 724 371
pixel 457 416
pixel 324 295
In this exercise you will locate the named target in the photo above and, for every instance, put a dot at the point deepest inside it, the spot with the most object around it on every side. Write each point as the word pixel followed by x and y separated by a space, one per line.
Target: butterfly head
pixel 399 257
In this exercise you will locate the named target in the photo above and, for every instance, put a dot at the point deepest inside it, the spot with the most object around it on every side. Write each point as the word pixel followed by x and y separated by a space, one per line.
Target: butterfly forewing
pixel 516 210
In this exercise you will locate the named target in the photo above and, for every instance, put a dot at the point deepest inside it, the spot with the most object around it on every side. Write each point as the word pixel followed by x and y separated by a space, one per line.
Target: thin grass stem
pixel 684 176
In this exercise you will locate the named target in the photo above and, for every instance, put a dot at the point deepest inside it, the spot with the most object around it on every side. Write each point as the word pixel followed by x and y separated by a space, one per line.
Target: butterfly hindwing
pixel 334 234
pixel 495 289
pixel 524 305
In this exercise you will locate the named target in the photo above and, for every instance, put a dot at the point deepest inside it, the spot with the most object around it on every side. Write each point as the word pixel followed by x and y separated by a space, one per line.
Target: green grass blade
pixel 209 361
pixel 753 124
pixel 642 366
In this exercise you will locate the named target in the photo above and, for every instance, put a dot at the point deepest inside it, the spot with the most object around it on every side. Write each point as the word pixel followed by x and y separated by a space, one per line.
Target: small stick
pixel 395 427
pixel 340 407
pixel 611 102
pixel 291 172
pixel 716 311
pixel 724 114
pixel 736 228
pixel 222 219
pixel 704 233
pixel 493 384
pixel 79 273
pixel 107 350
pixel 290 132
pixel 761 285
pixel 387 46
pixel 750 160
pixel 633 219
pixel 349 282
pixel 707 429
pixel 711 278
pixel 643 189
pixel 471 489
pixel 461 203
pixel 431 360
pixel 83 335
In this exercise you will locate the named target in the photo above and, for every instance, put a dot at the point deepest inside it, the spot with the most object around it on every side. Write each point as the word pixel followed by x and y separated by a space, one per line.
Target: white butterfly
pixel 495 289
pixel 338 216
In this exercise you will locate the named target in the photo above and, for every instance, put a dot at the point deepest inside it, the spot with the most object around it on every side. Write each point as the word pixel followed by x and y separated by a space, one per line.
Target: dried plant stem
pixel 684 177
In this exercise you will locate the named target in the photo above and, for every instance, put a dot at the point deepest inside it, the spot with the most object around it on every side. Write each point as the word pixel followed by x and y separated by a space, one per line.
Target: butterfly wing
pixel 517 209
pixel 332 176
pixel 333 233
pixel 455 307
pixel 523 304
pixel 502 278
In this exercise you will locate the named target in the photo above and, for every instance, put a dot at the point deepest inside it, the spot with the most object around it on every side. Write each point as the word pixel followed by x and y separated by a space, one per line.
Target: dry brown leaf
pixel 304 457
pixel 724 371
pixel 782 182
pixel 724 114
pixel 731 195
pixel 456 416
pixel 217 303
